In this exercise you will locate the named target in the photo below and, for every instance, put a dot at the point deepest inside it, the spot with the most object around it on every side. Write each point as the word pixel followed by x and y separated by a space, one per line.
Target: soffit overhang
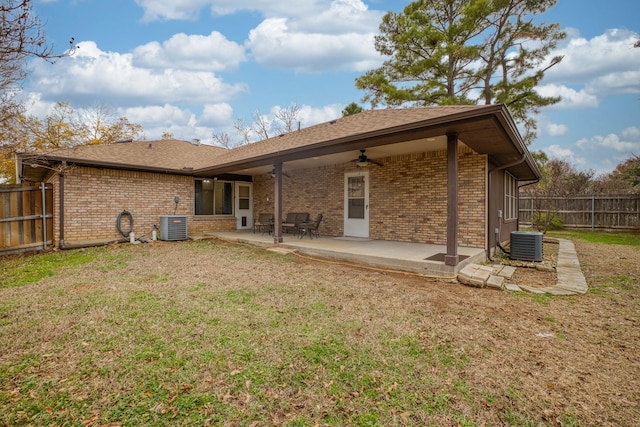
pixel 488 130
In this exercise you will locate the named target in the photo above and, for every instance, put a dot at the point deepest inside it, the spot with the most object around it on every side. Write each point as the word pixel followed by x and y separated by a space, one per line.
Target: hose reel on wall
pixel 124 213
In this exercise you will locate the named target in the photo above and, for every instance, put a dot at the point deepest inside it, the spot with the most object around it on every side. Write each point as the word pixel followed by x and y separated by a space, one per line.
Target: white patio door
pixel 356 204
pixel 244 205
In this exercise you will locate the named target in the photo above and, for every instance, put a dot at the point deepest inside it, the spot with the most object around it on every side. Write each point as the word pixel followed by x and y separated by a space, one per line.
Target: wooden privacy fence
pixel 26 217
pixel 602 212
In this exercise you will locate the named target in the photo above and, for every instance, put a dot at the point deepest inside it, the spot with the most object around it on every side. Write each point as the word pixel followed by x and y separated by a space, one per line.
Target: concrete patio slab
pixel 414 257
pixel 401 256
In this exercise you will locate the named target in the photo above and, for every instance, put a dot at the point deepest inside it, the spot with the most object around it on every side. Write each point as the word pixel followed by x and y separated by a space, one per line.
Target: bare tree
pixel 261 125
pixel 284 120
pixel 21 37
pixel 223 139
pixel 243 130
pixel 288 118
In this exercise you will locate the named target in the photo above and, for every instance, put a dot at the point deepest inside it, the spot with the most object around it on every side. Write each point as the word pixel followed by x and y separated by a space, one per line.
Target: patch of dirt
pixel 535 274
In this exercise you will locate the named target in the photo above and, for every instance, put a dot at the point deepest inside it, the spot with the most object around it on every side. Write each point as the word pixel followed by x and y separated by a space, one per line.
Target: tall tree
pixel 624 179
pixel 62 128
pixel 463 52
pixel 352 108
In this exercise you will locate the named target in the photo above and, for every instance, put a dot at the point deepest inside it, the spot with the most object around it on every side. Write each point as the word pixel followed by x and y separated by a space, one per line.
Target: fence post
pixel 44 215
pixel 532 209
pixel 593 212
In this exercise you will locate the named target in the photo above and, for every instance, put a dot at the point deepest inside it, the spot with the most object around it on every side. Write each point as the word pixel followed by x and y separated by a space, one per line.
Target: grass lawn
pixel 212 333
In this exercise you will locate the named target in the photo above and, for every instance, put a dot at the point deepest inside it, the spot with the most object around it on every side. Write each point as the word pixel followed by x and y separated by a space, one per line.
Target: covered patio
pixel 431 174
pixel 418 258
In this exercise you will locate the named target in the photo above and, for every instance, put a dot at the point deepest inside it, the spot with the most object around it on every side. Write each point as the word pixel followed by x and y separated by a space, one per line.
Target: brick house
pixel 444 175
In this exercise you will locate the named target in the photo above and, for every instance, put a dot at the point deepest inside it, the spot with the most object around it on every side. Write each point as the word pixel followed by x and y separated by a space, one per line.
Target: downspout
pixel 499 168
pixel 61 207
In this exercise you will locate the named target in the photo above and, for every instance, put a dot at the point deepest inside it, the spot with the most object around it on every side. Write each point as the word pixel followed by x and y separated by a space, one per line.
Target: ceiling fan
pixel 363 160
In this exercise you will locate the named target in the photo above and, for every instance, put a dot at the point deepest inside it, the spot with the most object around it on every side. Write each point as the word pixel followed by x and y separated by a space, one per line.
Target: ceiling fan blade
pixel 363 160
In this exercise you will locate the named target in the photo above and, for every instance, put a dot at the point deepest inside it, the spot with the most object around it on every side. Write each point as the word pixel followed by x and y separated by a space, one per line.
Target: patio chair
pixel 310 227
pixel 293 220
pixel 263 223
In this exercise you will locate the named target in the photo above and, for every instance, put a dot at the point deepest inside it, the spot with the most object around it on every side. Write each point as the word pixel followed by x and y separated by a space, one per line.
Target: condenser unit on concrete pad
pixel 173 227
pixel 526 246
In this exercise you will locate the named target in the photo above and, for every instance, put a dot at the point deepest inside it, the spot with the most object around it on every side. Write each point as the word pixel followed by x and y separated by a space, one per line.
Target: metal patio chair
pixel 263 223
pixel 310 228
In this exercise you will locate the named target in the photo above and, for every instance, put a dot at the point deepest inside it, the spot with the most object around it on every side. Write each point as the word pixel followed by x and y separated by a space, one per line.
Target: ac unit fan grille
pixel 526 246
pixel 173 227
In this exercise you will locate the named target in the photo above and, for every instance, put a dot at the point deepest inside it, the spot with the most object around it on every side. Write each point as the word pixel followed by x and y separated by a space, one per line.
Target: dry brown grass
pixel 200 333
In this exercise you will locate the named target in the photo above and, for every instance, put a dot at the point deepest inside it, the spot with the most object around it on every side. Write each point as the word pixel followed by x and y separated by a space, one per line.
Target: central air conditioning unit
pixel 173 227
pixel 526 246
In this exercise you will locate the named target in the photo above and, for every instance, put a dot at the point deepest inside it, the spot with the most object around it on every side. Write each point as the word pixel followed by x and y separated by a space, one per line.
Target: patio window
pixel 213 197
pixel 510 197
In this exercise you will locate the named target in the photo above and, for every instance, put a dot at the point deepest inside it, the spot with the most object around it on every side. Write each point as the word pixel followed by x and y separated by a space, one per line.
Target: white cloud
pixel 216 114
pixel 554 129
pixel 182 123
pixel 583 60
pixel 591 69
pixel 337 35
pixel 157 115
pixel 627 144
pixel 631 133
pixel 570 98
pixel 600 153
pixel 93 74
pixel 193 52
pixel 340 17
pixel 559 152
pixel 171 9
pixel 619 83
pixel 563 153
pixel 313 115
pixel 308 36
pixel 273 44
pixel 190 9
pixel 36 106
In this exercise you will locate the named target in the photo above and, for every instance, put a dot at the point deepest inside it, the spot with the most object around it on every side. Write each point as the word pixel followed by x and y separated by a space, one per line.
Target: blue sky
pixel 193 67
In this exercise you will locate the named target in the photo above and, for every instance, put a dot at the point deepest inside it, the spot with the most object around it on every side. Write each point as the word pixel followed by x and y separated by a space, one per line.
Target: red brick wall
pixel 407 197
pixel 93 198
